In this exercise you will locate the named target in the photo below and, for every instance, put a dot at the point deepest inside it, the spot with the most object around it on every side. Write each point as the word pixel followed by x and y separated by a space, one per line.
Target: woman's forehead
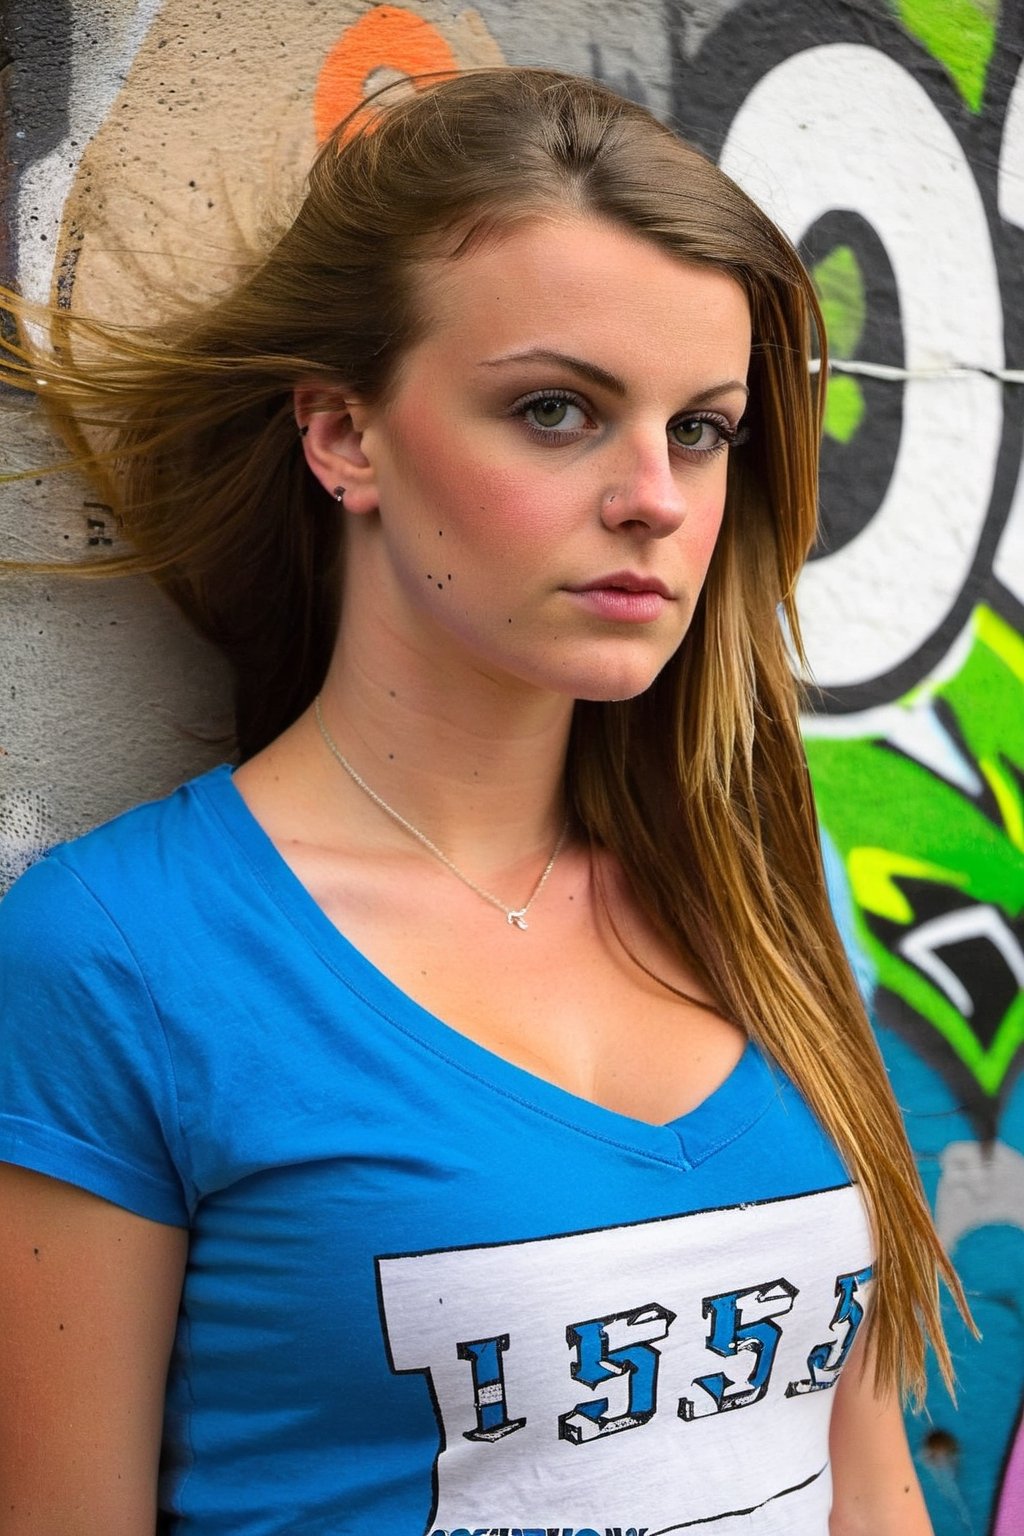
pixel 555 283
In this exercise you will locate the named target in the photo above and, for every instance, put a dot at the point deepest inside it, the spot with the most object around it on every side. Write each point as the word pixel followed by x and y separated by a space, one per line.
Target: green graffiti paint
pixel 927 811
pixel 840 285
pixel 961 34
pixel 844 407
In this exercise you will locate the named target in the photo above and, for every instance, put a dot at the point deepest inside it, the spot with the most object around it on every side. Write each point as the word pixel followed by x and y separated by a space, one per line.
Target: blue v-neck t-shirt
pixel 427 1291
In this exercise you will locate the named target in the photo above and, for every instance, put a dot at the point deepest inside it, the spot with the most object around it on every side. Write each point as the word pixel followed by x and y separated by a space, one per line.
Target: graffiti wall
pixel 147 148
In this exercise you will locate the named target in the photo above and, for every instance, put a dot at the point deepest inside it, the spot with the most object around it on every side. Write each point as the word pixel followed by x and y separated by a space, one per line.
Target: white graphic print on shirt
pixel 670 1373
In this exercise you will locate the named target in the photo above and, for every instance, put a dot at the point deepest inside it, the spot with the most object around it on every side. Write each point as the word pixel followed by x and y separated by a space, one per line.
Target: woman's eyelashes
pixel 560 416
pixel 705 433
pixel 553 413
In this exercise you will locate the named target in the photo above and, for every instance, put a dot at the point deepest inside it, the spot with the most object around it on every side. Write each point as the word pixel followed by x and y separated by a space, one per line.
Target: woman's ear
pixel 331 428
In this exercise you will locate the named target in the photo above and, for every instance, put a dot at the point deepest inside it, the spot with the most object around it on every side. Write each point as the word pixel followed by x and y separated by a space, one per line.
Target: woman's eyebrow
pixel 601 376
pixel 720 389
pixel 579 365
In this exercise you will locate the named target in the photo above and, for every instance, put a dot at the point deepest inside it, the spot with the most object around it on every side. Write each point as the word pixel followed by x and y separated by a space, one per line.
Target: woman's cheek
pixel 706 527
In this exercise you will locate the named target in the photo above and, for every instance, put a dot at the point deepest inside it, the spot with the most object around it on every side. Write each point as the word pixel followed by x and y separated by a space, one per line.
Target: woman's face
pixel 542 492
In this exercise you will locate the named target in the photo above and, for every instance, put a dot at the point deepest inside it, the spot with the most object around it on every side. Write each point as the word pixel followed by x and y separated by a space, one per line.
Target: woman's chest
pixel 564 1000
pixel 544 1310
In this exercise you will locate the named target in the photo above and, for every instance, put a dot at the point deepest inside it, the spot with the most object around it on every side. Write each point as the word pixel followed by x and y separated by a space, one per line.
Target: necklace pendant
pixel 517 919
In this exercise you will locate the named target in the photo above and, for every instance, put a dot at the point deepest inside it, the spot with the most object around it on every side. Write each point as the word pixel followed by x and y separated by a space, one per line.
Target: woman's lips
pixel 623 596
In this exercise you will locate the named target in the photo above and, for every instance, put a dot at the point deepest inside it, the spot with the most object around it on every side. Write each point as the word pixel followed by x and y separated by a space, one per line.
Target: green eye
pixel 549 413
pixel 555 418
pixel 688 434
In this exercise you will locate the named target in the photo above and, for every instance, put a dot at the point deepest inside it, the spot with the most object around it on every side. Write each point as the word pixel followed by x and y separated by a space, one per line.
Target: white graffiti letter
pixel 846 127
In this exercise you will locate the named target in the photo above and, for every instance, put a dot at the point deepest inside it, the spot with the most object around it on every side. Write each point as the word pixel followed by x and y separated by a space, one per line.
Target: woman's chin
pixel 617 687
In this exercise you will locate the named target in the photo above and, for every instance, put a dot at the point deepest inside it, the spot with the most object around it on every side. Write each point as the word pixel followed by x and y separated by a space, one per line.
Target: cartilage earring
pixel 339 494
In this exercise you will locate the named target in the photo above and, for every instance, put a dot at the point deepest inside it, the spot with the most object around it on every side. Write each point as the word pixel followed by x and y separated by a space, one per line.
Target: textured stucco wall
pixel 144 149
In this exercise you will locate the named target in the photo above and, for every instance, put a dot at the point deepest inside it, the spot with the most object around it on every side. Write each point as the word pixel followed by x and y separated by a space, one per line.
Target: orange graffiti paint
pixel 387 37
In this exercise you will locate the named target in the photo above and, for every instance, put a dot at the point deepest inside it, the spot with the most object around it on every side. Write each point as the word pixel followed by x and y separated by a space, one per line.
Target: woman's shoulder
pixel 88 1081
pixel 133 864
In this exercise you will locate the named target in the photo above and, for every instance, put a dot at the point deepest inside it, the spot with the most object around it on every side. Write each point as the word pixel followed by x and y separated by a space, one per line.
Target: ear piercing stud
pixel 339 494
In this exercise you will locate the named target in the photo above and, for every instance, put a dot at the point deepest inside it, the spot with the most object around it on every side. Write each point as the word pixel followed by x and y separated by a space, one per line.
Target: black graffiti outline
pixel 708 89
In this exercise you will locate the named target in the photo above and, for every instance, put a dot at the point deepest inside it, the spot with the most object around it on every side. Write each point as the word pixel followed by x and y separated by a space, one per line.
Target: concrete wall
pixel 145 146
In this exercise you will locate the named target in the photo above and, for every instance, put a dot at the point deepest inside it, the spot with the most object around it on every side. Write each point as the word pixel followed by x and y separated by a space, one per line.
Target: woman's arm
pixel 875 1491
pixel 89 1297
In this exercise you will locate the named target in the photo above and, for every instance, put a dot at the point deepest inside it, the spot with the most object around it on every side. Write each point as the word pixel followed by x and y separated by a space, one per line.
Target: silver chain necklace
pixel 514 916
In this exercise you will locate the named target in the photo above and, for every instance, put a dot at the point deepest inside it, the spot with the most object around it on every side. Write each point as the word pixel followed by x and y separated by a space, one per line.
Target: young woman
pixel 461 1116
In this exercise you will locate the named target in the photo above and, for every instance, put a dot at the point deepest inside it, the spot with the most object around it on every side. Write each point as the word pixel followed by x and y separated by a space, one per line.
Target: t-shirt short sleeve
pixel 87 1089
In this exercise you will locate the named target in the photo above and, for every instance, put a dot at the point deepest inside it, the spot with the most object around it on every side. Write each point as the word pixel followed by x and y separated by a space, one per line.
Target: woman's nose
pixel 646 492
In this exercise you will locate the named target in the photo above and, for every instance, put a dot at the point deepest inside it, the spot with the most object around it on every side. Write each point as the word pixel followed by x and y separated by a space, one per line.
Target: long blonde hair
pixel 698 787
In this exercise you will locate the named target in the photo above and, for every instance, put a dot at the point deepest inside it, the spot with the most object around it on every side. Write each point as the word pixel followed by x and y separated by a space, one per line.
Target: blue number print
pixel 825 1361
pixel 610 1347
pixel 741 1320
pixel 486 1356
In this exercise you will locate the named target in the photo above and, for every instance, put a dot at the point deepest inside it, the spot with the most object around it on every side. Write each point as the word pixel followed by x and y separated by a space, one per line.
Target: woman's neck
pixel 478 769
